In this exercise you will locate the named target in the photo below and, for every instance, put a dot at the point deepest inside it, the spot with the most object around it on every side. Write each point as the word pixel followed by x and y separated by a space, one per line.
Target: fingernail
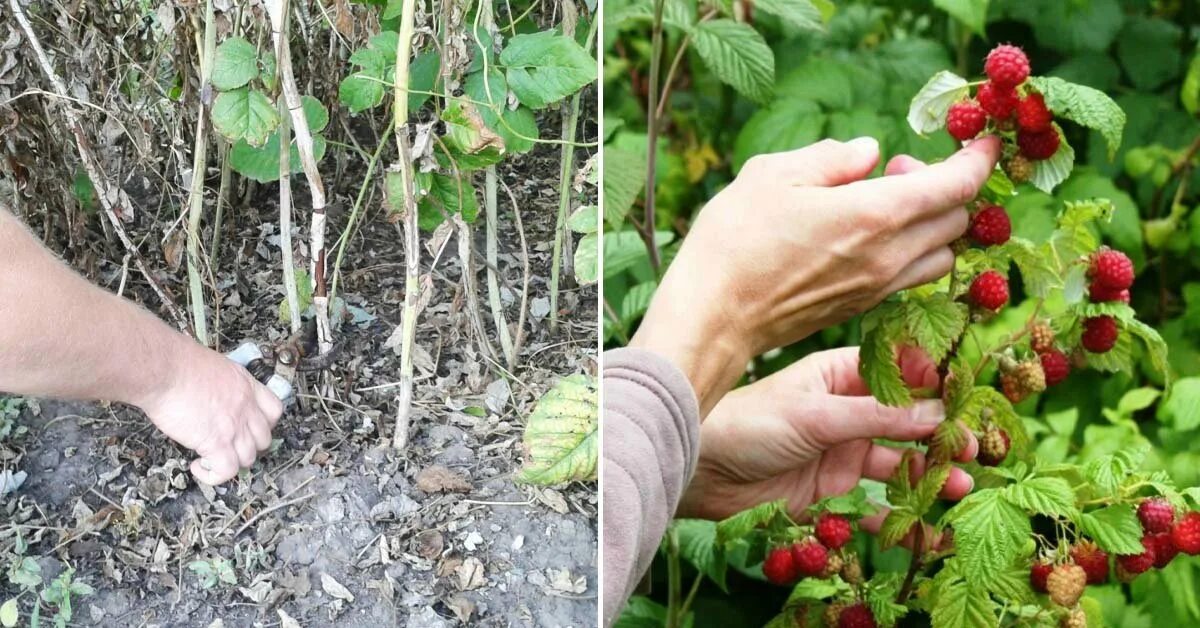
pixel 931 412
pixel 867 146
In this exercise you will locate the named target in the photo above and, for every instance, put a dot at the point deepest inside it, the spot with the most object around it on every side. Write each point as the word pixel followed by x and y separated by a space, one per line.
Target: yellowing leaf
pixel 560 435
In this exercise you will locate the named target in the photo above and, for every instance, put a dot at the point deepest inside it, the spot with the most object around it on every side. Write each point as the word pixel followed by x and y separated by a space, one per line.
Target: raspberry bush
pixel 1075 180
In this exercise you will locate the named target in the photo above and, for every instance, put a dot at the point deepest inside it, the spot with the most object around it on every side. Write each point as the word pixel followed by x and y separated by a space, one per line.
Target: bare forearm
pixel 63 337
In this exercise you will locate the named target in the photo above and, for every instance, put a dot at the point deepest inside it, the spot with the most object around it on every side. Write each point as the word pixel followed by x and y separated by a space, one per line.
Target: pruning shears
pixel 276 366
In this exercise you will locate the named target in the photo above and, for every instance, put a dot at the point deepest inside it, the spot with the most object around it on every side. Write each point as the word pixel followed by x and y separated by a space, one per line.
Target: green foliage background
pixel 849 70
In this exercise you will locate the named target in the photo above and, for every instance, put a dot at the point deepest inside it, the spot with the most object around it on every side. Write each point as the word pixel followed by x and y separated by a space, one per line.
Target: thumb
pixel 852 418
pixel 827 163
pixel 216 467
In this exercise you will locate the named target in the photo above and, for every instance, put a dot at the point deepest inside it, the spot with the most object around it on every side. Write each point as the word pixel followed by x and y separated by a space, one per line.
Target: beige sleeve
pixel 651 436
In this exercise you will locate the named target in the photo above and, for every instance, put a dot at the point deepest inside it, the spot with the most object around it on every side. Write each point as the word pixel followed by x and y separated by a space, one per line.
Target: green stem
pixel 674 581
pixel 566 163
pixel 348 234
pixel 648 221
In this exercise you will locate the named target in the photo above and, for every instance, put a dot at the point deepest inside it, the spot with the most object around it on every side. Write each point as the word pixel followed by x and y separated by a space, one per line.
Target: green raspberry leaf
pixel 244 114
pixel 948 440
pixel 739 56
pixel 816 589
pixel 799 13
pixel 234 64
pixel 698 544
pixel 1051 496
pixel 854 504
pixel 1114 528
pixel 927 112
pixel 961 605
pixel 988 531
pixel 896 525
pixel 930 485
pixel 745 522
pixel 1189 94
pixel 935 322
pixel 877 359
pixel 1084 105
pixel 958 385
pixel 972 13
pixel 1037 266
pixel 1048 173
pixel 543 68
pixel 1156 347
pixel 1074 237
pixel 881 597
pixel 1108 472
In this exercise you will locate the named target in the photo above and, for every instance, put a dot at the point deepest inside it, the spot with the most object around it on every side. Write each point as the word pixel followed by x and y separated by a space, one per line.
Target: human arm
pixel 66 338
pixel 808 432
pixel 801 241
pixel 651 439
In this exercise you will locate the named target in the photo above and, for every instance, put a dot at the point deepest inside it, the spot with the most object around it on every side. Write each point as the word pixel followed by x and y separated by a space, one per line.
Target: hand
pixel 801 241
pixel 215 408
pixel 806 432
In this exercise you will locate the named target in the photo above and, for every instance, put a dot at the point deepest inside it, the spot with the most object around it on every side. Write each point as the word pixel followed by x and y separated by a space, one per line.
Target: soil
pixel 332 527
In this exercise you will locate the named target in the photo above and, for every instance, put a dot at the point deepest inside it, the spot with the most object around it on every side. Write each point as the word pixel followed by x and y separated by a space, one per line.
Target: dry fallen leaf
pixel 335 588
pixel 462 607
pixel 285 620
pixel 429 544
pixel 470 574
pixel 438 479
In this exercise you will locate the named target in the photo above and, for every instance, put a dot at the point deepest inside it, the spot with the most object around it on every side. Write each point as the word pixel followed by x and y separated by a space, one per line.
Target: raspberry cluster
pixel 1008 105
pixel 815 556
pixel 1164 536
pixel 823 555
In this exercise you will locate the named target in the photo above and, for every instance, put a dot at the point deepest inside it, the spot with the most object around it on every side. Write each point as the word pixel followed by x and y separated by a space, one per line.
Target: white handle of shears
pixel 249 352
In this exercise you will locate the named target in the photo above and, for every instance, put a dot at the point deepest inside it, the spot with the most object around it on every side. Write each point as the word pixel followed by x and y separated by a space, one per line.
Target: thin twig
pixel 520 339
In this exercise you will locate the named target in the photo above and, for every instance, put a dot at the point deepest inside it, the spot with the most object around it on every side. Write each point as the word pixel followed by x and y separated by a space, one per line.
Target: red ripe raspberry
pixel 1156 514
pixel 1138 563
pixel 1099 334
pixel 999 102
pixel 811 557
pixel 833 530
pixel 1093 560
pixel 857 616
pixel 965 120
pixel 990 226
pixel 993 447
pixel 1032 114
pixel 1038 574
pixel 780 567
pixel 1007 65
pixel 989 290
pixel 1112 270
pixel 1164 548
pixel 1038 145
pixel 1098 293
pixel 1186 534
pixel 1056 365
